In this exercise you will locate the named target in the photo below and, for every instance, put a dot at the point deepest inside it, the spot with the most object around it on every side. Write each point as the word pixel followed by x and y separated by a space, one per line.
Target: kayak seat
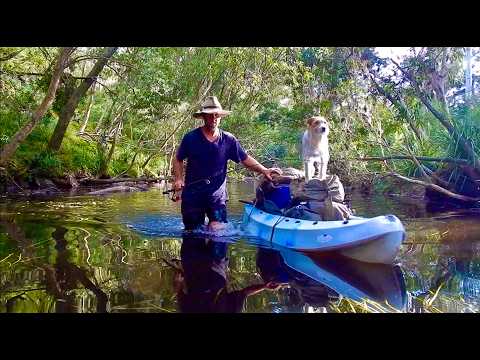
pixel 271 208
pixel 302 212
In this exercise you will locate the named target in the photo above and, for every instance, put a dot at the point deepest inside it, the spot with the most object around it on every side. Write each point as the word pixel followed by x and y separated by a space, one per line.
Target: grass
pixel 77 156
pixel 431 302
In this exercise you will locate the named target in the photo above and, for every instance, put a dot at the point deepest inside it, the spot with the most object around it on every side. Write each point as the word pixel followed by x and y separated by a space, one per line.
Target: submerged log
pixel 463 180
pixel 115 189
pixel 436 189
pixel 67 181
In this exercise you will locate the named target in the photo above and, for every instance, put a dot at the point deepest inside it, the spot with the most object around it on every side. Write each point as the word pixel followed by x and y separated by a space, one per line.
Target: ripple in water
pixel 154 225
pixel 172 226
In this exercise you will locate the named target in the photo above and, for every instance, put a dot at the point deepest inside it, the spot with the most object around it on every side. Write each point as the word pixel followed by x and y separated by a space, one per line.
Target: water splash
pixel 231 229
pixel 172 226
pixel 155 225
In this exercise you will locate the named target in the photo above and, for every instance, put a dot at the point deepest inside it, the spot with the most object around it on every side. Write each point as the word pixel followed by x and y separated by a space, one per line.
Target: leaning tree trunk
pixel 9 149
pixel 443 118
pixel 400 105
pixel 468 75
pixel 103 172
pixel 87 113
pixel 72 103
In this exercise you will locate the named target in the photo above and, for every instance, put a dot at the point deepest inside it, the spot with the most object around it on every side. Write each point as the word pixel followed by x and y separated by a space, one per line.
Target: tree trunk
pixel 170 160
pixel 468 75
pixel 443 118
pixel 466 146
pixel 103 172
pixel 72 103
pixel 87 113
pixel 109 115
pixel 9 149
pixel 399 104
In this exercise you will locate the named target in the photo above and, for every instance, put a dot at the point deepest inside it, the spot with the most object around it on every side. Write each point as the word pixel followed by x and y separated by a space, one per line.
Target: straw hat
pixel 211 105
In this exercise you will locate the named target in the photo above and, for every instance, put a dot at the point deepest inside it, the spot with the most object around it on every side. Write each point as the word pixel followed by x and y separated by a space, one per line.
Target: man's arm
pixel 254 165
pixel 178 174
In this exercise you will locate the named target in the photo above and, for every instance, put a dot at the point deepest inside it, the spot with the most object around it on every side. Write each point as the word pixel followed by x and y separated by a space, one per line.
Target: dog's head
pixel 318 125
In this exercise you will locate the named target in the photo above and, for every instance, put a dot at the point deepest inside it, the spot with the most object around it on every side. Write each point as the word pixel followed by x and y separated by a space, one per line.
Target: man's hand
pixel 273 285
pixel 178 185
pixel 281 179
pixel 269 172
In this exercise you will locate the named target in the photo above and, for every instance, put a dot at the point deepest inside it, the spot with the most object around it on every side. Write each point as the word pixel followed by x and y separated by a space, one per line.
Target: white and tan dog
pixel 315 151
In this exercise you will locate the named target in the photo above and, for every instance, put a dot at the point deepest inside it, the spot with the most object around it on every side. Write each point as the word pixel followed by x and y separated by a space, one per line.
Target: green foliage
pixel 152 93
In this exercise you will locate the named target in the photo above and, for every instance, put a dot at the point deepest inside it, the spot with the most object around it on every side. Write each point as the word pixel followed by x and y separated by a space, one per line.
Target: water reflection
pixel 201 282
pixel 66 276
pixel 76 254
pixel 320 279
pixel 60 278
pixel 457 270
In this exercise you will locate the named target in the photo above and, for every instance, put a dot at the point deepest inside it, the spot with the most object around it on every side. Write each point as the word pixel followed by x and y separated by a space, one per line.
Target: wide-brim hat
pixel 211 105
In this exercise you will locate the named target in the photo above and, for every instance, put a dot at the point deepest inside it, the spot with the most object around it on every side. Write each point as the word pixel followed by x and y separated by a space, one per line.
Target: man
pixel 207 150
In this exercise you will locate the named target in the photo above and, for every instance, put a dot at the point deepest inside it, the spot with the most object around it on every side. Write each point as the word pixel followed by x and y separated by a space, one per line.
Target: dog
pixel 315 153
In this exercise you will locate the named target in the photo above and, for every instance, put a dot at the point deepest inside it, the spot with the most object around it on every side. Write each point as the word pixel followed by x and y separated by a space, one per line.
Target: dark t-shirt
pixel 208 160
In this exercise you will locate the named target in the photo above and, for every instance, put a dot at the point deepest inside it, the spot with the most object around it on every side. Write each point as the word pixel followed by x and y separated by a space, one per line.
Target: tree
pixel 72 103
pixel 427 76
pixel 9 149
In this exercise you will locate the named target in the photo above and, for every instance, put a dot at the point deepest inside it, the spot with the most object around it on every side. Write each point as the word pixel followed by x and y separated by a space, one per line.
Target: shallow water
pixel 126 253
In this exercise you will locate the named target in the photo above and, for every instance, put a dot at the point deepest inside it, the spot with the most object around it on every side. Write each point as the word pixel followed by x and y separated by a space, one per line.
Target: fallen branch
pixel 11 55
pixel 114 189
pixel 434 187
pixel 88 137
pixel 406 157
pixel 89 181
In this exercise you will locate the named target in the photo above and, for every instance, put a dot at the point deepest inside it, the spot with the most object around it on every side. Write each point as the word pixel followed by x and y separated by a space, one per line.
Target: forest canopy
pixel 112 112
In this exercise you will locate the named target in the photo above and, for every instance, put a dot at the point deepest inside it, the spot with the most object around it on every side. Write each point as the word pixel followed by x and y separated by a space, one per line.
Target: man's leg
pixel 193 214
pixel 217 216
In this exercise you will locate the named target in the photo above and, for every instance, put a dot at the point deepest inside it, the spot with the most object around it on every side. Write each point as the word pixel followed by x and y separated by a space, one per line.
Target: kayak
pixel 372 240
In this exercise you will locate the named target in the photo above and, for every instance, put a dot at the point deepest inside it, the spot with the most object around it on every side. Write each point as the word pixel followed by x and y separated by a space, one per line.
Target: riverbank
pixel 72 186
pixel 43 186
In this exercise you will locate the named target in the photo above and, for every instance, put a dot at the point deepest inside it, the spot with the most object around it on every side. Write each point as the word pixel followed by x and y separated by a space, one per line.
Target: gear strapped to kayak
pixel 316 200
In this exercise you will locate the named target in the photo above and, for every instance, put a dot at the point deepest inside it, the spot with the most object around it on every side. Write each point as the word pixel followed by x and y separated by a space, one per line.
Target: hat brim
pixel 211 111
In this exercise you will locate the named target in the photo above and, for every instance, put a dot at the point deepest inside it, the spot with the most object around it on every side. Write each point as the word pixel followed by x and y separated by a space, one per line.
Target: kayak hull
pixel 373 240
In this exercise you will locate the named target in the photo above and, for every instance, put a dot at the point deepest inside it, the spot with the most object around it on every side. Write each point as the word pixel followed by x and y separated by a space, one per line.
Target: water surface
pixel 126 253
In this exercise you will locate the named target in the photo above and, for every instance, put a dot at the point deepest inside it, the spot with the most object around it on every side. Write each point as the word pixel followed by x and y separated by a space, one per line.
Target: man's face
pixel 211 120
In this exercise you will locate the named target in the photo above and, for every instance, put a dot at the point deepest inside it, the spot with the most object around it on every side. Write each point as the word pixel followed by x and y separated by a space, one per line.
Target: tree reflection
pixel 67 275
pixel 61 278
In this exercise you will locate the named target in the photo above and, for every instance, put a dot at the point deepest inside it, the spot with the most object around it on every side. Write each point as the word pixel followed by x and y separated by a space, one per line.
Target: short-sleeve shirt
pixel 208 160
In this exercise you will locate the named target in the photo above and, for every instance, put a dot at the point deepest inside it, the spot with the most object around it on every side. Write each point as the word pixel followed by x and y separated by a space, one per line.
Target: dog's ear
pixel 310 120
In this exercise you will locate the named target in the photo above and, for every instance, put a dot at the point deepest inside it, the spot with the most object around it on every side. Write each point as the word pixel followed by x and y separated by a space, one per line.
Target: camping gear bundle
pixel 321 200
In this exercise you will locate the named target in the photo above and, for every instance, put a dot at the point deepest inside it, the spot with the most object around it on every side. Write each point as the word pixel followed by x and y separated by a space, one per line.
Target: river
pixel 124 253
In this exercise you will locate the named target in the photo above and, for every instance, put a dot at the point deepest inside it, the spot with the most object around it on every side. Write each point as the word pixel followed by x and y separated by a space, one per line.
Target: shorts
pixel 194 211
